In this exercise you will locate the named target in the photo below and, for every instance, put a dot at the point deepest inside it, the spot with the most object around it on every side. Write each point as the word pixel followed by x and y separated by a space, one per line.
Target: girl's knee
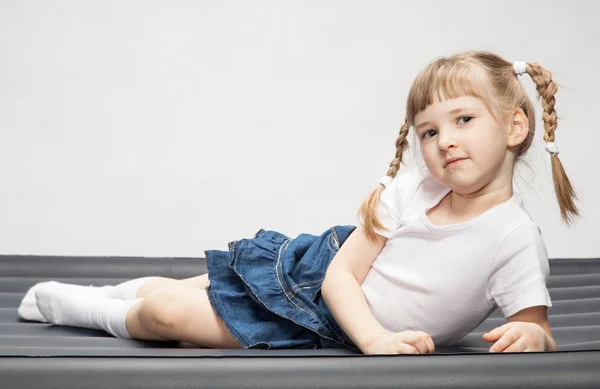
pixel 162 310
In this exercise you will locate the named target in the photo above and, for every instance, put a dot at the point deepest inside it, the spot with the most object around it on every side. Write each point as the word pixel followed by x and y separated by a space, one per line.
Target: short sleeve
pixel 393 200
pixel 520 271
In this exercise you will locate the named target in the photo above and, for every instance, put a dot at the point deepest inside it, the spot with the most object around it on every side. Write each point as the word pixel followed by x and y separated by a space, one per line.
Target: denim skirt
pixel 267 289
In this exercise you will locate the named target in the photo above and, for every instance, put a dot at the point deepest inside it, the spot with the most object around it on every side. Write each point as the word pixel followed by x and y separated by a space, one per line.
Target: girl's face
pixel 464 147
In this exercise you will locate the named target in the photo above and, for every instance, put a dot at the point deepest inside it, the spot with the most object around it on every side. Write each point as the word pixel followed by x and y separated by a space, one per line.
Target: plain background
pixel 165 128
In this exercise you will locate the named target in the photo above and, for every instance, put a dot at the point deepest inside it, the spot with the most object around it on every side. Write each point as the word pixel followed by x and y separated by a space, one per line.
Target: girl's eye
pixel 427 134
pixel 466 117
pixel 431 133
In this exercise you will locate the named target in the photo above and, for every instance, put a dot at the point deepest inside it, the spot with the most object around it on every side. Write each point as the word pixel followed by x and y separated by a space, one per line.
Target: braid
pixel 546 89
pixel 401 147
pixel 369 207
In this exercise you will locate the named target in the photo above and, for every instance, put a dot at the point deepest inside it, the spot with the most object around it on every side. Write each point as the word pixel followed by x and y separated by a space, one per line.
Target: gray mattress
pixel 37 355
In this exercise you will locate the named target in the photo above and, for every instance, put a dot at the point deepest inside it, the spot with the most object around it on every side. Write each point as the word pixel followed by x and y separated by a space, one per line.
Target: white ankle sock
pixel 59 306
pixel 28 309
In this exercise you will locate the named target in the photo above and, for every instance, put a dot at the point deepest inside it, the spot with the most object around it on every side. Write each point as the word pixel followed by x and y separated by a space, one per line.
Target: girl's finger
pixel 430 344
pixel 419 341
pixel 404 348
pixel 419 344
pixel 497 332
pixel 506 340
pixel 517 347
pixel 422 347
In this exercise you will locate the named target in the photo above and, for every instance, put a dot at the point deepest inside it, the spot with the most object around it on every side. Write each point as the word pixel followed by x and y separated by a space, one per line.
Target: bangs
pixel 444 80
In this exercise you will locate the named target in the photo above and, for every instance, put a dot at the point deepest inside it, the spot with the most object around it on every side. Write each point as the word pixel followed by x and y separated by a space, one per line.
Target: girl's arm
pixel 341 287
pixel 343 295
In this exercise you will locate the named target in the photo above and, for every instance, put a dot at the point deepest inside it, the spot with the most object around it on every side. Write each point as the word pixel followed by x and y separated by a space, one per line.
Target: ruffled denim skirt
pixel 267 289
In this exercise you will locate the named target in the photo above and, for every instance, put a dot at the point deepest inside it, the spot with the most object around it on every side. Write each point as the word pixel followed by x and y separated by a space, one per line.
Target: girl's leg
pixel 128 290
pixel 170 313
pixel 181 313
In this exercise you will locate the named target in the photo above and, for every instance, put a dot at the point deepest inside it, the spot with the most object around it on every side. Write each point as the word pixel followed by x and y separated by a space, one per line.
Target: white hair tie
pixel 385 181
pixel 551 148
pixel 520 67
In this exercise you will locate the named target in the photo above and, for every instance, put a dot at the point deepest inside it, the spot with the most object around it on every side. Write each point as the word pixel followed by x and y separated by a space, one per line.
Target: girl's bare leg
pixel 199 282
pixel 179 312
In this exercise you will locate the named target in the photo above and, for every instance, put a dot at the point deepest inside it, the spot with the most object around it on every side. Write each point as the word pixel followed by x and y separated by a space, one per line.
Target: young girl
pixel 438 247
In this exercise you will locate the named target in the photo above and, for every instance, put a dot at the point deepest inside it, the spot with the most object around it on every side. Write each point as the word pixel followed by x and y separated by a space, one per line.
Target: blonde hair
pixel 492 79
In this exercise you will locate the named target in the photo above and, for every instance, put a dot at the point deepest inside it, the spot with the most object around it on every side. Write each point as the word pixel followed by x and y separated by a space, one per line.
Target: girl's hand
pixel 519 336
pixel 405 342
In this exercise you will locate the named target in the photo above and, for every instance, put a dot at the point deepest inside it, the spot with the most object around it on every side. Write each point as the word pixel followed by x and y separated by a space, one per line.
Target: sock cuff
pixel 117 321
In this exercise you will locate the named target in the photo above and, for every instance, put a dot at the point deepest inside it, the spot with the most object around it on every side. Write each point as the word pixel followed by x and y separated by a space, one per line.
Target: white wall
pixel 164 128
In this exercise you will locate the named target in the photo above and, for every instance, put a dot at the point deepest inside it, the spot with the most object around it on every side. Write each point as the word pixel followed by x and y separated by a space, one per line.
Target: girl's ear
pixel 519 127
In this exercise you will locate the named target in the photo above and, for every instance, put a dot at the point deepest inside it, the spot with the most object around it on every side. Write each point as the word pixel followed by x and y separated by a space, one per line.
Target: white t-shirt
pixel 445 280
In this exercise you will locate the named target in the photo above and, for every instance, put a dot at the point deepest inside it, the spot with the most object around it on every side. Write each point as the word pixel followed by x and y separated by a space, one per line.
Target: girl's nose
pixel 447 139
